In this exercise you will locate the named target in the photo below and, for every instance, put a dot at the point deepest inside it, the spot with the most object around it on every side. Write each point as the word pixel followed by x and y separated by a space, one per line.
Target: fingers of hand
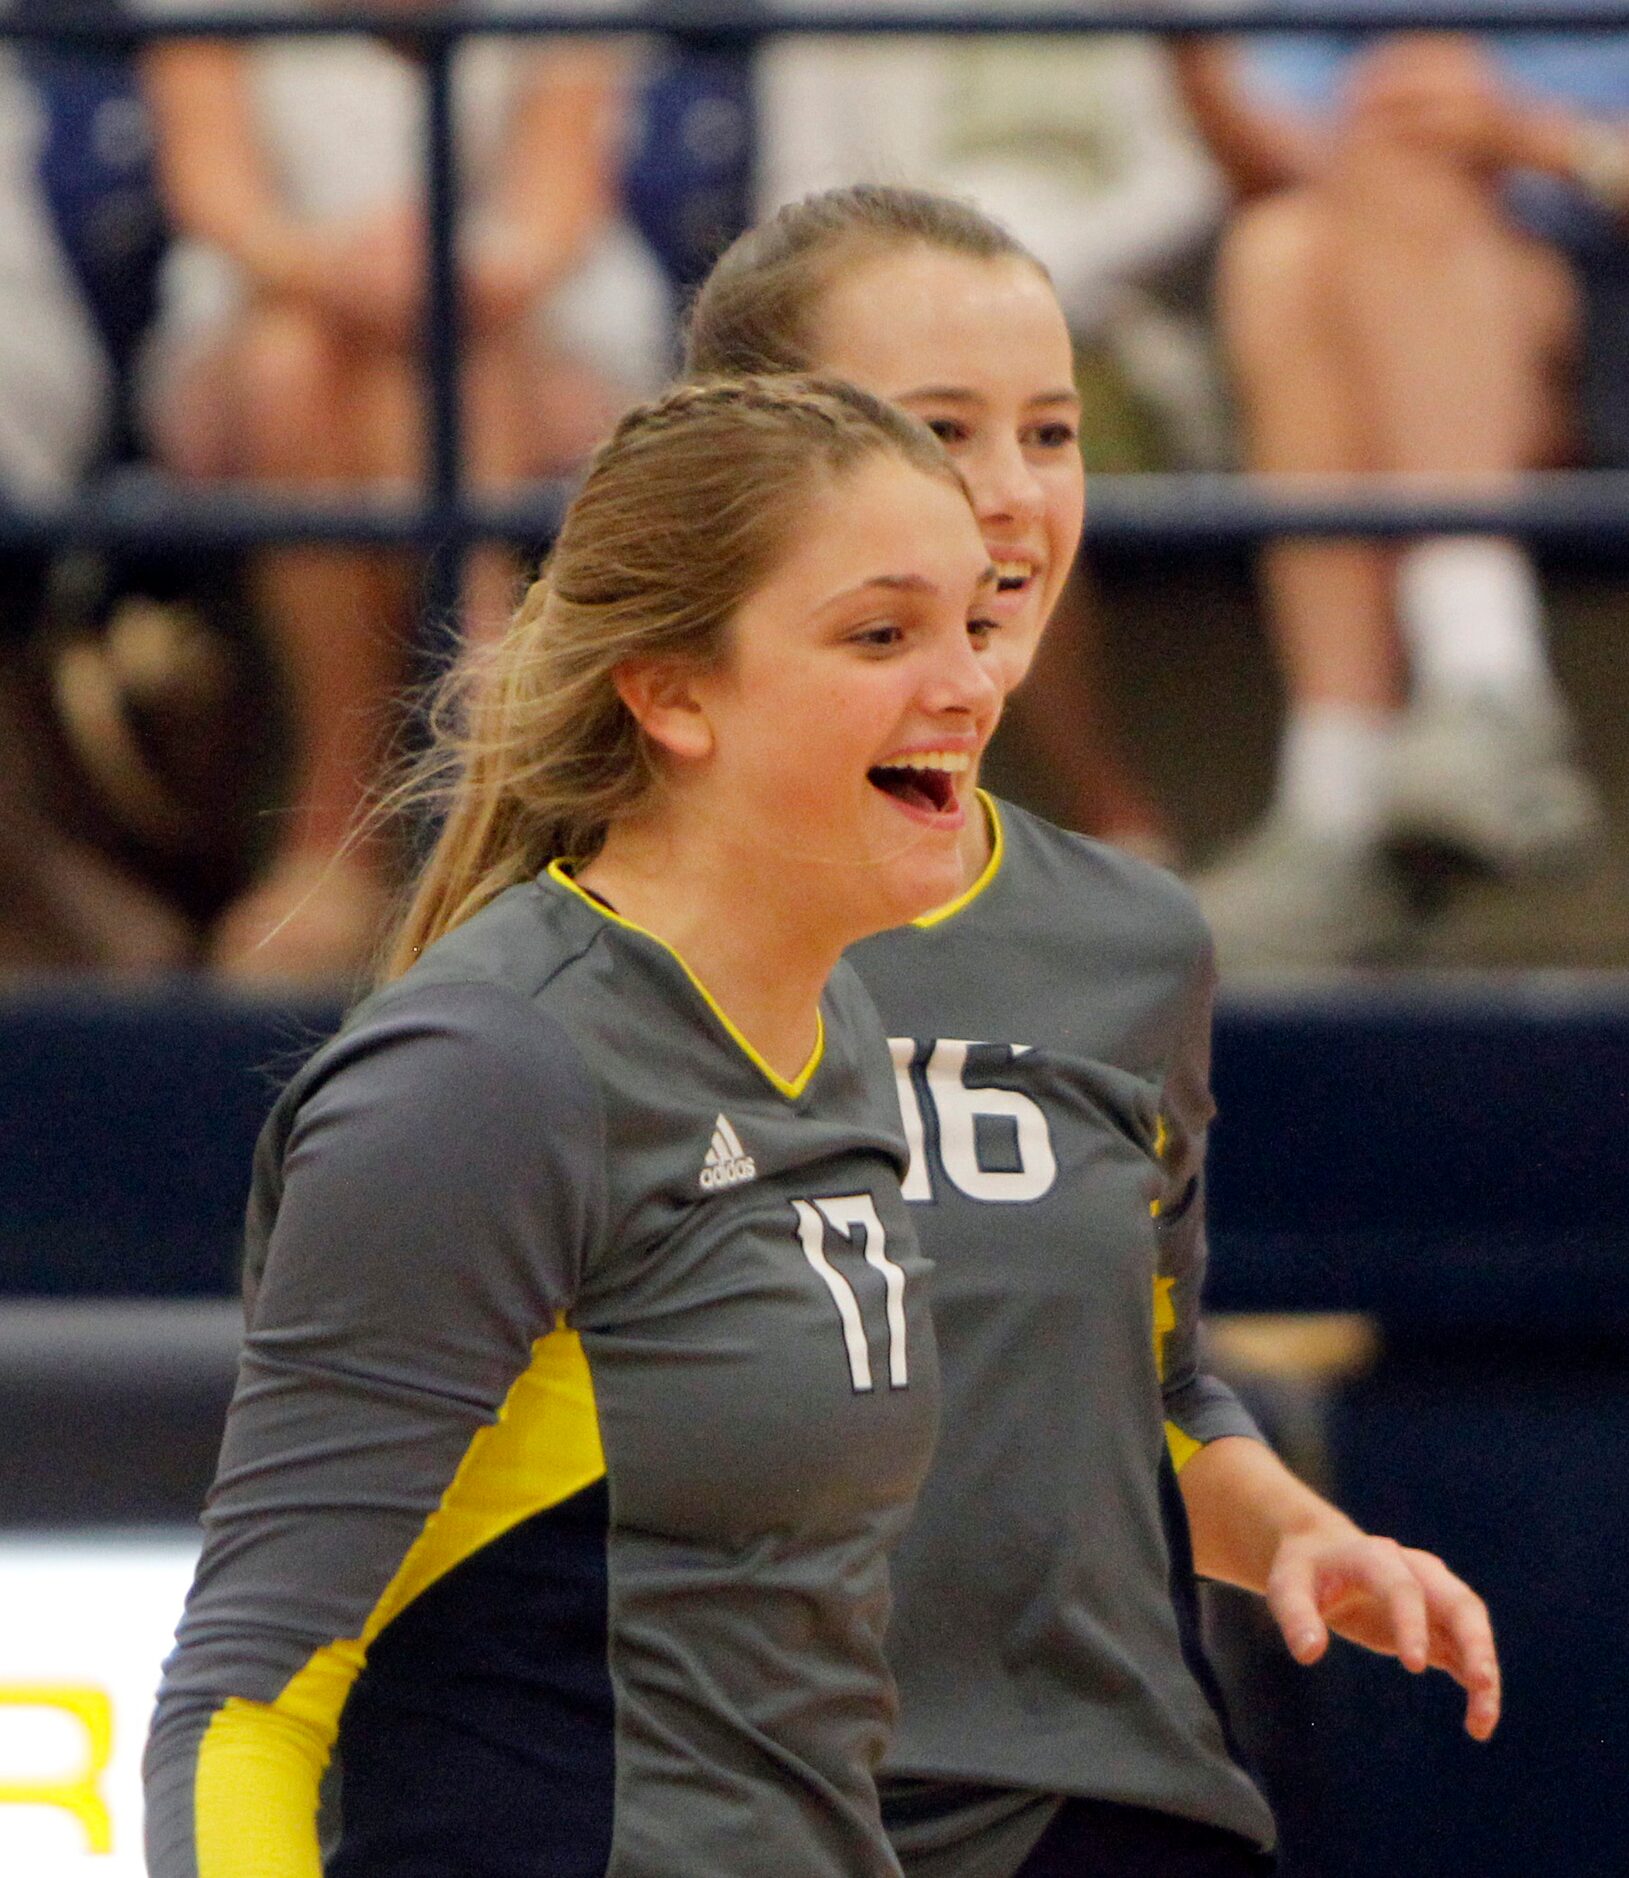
pixel 1410 1620
pixel 1462 1641
pixel 1470 1658
pixel 1293 1602
pixel 1365 1586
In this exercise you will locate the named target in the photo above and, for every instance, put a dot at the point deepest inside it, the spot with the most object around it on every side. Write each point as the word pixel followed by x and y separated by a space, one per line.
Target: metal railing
pixel 1139 510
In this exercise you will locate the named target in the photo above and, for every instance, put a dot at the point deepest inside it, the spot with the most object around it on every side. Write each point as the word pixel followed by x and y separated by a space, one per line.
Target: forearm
pixel 1242 1503
pixel 556 189
pixel 215 181
pixel 1256 151
pixel 1590 153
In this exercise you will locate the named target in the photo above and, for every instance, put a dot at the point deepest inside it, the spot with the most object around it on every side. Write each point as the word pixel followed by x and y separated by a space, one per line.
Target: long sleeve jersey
pixel 1051 1034
pixel 588 1376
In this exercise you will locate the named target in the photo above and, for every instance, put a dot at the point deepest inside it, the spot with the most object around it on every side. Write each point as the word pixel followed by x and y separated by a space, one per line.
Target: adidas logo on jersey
pixel 727 1163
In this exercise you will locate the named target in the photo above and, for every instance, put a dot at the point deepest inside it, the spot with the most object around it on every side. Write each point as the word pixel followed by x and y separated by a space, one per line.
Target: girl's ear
pixel 665 702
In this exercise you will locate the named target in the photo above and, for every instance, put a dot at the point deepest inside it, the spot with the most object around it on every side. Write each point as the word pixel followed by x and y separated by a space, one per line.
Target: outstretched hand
pixel 1391 1599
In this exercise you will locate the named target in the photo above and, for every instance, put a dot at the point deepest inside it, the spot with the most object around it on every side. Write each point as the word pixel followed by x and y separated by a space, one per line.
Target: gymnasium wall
pixel 1449 1159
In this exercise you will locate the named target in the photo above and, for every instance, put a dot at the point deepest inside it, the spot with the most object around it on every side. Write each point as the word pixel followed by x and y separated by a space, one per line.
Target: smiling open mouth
pixel 927 782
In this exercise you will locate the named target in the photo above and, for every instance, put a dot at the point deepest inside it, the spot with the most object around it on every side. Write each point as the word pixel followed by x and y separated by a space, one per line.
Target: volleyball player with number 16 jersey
pixel 1056 1642
pixel 1051 1025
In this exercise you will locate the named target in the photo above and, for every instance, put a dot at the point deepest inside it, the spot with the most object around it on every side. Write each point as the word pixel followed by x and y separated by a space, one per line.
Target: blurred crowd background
pixel 1306 252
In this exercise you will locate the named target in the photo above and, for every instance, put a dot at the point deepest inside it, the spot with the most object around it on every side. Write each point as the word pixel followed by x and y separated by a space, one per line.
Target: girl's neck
pixel 745 934
pixel 977 843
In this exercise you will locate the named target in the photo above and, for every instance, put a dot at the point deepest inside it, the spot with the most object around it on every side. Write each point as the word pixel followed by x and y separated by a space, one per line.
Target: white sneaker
pixel 1288 899
pixel 1492 781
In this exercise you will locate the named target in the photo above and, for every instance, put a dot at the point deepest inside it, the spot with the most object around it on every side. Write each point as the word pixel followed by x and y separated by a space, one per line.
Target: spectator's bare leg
pixel 1464 333
pixel 524 417
pixel 1462 326
pixel 532 412
pixel 1329 603
pixel 1461 330
pixel 1308 887
pixel 498 406
pixel 316 912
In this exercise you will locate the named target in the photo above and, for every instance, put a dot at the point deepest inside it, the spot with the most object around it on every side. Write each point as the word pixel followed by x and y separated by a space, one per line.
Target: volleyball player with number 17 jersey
pixel 589 1372
pixel 604 1620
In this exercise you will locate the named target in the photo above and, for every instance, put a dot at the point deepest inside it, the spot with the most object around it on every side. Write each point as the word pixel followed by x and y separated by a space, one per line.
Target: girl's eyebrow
pixel 886 583
pixel 908 583
pixel 960 394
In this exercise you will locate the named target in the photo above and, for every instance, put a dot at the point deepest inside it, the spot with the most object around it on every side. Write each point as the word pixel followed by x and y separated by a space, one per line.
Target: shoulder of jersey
pixel 1114 884
pixel 520 939
pixel 513 946
pixel 507 952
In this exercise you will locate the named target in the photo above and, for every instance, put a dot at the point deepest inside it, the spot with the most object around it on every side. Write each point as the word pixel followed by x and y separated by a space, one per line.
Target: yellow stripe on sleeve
pixel 1162 1140
pixel 260 1764
pixel 255 1797
pixel 1164 1321
pixel 1183 1446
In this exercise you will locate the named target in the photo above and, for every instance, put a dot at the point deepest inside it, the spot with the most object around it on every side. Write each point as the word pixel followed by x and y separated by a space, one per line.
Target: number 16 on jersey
pixel 957 1110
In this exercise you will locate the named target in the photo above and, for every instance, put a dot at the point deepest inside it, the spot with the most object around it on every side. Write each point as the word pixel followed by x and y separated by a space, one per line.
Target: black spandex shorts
pixel 1096 1839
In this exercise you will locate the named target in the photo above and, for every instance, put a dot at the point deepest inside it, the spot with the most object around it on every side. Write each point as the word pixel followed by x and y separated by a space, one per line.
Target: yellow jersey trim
pixel 992 867
pixel 1183 1447
pixel 260 1764
pixel 1164 1320
pixel 557 871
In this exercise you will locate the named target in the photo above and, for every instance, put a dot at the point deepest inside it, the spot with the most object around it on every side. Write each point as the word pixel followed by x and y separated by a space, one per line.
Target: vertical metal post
pixel 443 405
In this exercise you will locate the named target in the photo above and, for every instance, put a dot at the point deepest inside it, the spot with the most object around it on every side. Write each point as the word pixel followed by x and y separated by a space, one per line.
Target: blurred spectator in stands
pixel 1079 145
pixel 80 239
pixel 686 177
pixel 288 354
pixel 1427 257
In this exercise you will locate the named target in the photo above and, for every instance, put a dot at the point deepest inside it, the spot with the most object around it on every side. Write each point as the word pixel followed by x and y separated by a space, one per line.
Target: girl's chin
pixel 927 887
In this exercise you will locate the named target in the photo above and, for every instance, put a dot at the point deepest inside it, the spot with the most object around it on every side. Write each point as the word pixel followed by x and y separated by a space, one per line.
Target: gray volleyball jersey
pixel 588 1376
pixel 1051 1035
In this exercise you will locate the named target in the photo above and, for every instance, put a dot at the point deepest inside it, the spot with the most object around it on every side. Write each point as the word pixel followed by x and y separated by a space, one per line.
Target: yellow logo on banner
pixel 78 1793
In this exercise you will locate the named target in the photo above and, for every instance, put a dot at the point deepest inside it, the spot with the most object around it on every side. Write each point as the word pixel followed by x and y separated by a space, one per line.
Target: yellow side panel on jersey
pixel 1183 1447
pixel 260 1764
